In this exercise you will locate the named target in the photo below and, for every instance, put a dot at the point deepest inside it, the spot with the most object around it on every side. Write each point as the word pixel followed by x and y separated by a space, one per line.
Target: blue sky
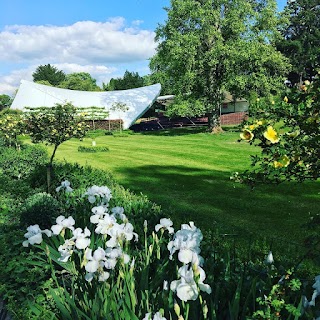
pixel 102 37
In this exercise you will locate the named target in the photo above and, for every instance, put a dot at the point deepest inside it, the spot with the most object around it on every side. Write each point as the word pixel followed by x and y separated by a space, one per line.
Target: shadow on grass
pixel 212 201
pixel 175 131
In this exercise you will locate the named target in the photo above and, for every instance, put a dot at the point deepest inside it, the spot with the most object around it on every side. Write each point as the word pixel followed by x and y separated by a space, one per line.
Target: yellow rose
pixel 282 163
pixel 271 135
pixel 246 135
pixel 285 99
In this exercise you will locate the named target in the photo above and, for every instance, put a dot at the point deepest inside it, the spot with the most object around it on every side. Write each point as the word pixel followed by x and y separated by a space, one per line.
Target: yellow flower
pixel 271 135
pixel 282 163
pixel 272 102
pixel 285 99
pixel 258 99
pixel 246 135
pixel 261 122
pixel 252 127
pixel 307 83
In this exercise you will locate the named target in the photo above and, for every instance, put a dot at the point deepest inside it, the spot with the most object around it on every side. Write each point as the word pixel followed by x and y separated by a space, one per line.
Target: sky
pixel 102 37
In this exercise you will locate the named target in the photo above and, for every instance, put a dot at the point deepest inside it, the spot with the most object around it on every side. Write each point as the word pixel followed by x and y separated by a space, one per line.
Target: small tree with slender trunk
pixel 119 107
pixel 54 126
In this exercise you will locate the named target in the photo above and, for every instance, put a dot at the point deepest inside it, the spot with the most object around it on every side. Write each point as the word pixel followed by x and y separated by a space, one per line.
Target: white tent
pixel 138 100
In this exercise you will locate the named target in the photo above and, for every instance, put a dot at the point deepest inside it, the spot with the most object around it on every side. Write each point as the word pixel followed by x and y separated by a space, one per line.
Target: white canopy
pixel 138 100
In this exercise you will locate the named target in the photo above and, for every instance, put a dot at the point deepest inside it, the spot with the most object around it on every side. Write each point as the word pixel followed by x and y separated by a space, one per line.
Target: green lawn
pixel 188 175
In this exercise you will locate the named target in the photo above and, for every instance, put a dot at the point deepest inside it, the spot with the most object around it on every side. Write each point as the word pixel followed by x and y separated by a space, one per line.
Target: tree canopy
pixel 48 73
pixel 5 101
pixel 130 80
pixel 301 42
pixel 208 46
pixel 80 81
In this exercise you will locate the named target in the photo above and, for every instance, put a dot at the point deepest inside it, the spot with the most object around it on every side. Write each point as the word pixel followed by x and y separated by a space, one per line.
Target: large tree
pixel 302 39
pixel 80 81
pixel 130 80
pixel 48 73
pixel 208 46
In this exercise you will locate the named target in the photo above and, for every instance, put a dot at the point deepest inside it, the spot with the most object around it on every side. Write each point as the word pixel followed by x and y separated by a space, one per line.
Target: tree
pixel 287 131
pixel 130 80
pixel 5 101
pixel 119 107
pixel 54 126
pixel 80 81
pixel 208 46
pixel 49 73
pixel 11 126
pixel 301 42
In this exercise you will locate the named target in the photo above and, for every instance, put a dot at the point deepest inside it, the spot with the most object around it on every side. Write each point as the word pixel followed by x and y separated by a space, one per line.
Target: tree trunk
pixel 49 168
pixel 214 123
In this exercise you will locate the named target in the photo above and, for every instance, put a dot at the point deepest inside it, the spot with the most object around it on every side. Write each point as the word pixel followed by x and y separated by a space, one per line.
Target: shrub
pixel 93 149
pixel 40 208
pixel 19 164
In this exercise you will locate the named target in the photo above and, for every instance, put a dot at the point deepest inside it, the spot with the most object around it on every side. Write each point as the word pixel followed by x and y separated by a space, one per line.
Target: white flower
pixel 103 276
pixel 82 239
pixel 34 235
pixel 65 185
pixel 62 224
pixel 165 224
pixel 165 285
pixel 316 292
pixel 95 193
pixel 66 250
pixel 187 287
pixel 120 232
pixel 157 316
pixel 118 212
pixel 105 224
pixel 269 259
pixel 95 263
pixel 187 241
pixel 112 255
pixel 99 212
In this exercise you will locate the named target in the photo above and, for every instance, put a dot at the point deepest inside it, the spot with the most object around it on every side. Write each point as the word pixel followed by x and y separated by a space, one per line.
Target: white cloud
pixel 84 42
pixel 10 82
pixel 84 46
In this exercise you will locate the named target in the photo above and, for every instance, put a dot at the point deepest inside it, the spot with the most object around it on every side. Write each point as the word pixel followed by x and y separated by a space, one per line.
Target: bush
pixel 19 164
pixel 92 149
pixel 40 208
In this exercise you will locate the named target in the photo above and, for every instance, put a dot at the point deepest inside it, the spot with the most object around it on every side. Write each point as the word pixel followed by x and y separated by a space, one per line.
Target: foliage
pixel 93 149
pixel 5 101
pixel 48 73
pixel 40 208
pixel 288 133
pixel 119 107
pixel 301 43
pixel 20 164
pixel 208 46
pixel 130 80
pixel 55 125
pixel 80 81
pixel 11 126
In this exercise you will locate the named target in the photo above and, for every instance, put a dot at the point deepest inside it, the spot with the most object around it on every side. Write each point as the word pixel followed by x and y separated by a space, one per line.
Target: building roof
pixel 138 100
